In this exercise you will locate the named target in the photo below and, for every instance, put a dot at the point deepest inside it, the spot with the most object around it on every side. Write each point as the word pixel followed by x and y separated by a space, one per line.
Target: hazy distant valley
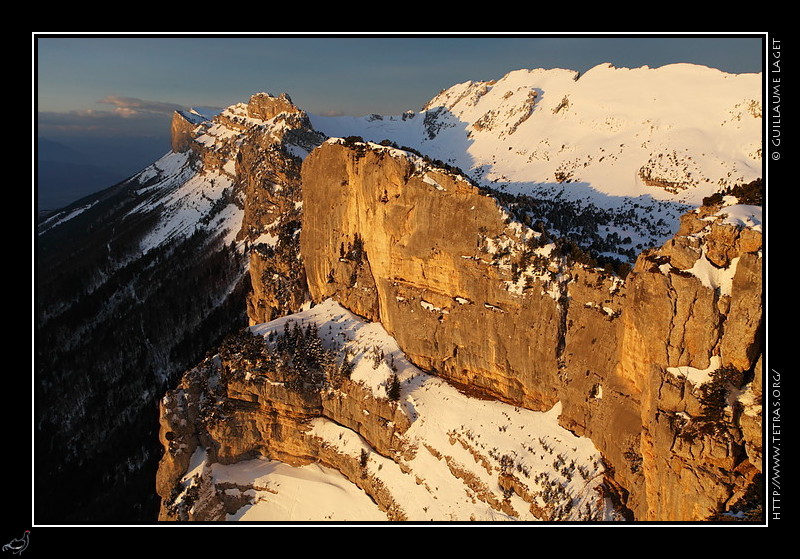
pixel 68 171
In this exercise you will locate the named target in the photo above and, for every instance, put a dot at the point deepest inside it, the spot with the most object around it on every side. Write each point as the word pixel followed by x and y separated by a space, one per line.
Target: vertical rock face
pixel 661 369
pixel 266 139
pixel 697 305
pixel 423 267
pixel 182 132
pixel 269 179
pixel 460 288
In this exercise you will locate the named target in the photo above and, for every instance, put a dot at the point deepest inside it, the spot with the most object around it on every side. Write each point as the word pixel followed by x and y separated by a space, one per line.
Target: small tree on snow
pixel 394 389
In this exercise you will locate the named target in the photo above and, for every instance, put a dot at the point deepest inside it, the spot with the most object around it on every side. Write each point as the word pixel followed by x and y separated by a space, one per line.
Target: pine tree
pixel 394 389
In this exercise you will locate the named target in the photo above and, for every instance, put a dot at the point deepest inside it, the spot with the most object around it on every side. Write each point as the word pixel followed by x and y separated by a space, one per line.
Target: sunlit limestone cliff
pixel 528 301
pixel 633 367
pixel 613 157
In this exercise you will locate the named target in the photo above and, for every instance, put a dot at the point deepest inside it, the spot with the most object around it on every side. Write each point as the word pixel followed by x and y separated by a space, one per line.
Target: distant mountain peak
pixel 265 106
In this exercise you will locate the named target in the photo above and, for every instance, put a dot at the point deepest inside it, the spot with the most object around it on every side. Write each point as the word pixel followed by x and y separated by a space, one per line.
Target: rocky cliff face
pixel 268 171
pixel 223 409
pixel 467 294
pixel 260 146
pixel 659 369
pixel 419 250
pixel 324 387
pixel 696 307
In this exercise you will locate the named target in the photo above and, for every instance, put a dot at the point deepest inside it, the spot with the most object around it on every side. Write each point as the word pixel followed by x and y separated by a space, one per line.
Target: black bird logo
pixel 18 545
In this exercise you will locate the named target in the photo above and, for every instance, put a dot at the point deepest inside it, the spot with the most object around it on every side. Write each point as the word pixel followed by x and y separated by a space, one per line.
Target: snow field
pixel 461 443
pixel 587 139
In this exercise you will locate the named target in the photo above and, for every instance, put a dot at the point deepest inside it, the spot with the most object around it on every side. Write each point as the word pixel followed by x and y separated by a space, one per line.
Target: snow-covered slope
pixel 186 195
pixel 134 282
pixel 188 199
pixel 463 446
pixel 280 492
pixel 618 140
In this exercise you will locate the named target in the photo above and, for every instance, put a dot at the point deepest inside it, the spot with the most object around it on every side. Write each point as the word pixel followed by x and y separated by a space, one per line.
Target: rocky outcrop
pixel 463 290
pixel 182 131
pixel 696 304
pixel 660 369
pixel 264 106
pixel 426 267
pixel 232 413
pixel 268 176
pixel 259 147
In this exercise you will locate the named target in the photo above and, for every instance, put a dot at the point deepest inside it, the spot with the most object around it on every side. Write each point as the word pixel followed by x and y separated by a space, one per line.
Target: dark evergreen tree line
pixel 295 356
pixel 751 193
pixel 103 361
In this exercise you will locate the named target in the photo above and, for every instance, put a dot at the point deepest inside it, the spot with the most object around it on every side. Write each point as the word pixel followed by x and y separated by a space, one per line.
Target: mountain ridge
pixel 237 177
pixel 558 141
pixel 594 306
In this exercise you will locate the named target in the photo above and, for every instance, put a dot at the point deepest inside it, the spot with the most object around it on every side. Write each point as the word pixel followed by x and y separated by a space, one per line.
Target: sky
pixel 122 89
pixel 94 76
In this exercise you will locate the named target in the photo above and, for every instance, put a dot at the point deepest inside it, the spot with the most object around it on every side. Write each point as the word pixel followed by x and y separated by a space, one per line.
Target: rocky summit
pixel 425 342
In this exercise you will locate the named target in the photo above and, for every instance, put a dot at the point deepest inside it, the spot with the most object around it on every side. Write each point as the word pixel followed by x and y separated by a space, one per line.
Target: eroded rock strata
pixel 660 369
